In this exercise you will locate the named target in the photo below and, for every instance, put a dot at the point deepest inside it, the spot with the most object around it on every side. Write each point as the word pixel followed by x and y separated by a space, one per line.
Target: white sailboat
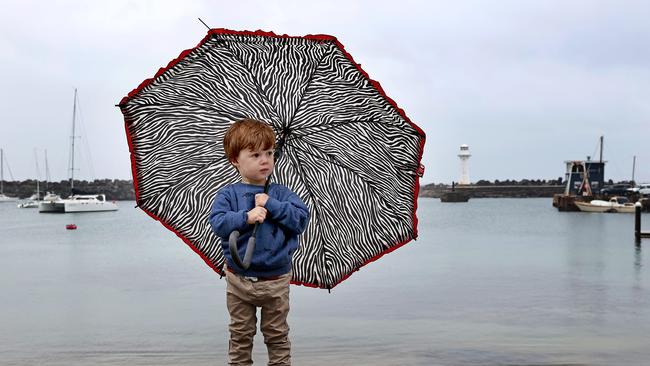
pixel 3 197
pixel 49 196
pixel 46 205
pixel 33 200
pixel 76 202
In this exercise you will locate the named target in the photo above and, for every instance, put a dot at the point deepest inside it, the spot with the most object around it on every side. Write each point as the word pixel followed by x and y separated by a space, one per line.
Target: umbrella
pixel 347 149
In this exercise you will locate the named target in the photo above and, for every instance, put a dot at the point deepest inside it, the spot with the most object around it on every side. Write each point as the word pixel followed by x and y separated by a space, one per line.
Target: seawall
pixel 512 191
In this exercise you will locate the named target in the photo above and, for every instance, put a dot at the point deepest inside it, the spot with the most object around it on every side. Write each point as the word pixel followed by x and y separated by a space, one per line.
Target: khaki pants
pixel 242 298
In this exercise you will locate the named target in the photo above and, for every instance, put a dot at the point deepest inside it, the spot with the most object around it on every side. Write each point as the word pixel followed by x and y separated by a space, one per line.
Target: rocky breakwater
pixel 493 191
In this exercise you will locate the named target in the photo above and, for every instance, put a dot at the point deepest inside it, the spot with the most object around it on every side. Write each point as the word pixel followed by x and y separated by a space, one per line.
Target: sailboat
pixel 3 197
pixel 49 196
pixel 33 200
pixel 77 202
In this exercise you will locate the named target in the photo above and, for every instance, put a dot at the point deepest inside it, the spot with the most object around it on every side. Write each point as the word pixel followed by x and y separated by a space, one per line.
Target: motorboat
pixel 615 204
pixel 29 204
pixel 32 202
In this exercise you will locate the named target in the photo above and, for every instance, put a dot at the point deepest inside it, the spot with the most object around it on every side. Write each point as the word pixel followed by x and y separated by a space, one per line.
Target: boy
pixel 282 216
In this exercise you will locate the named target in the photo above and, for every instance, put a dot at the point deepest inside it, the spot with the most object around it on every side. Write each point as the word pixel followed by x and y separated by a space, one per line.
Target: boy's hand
pixel 258 214
pixel 260 199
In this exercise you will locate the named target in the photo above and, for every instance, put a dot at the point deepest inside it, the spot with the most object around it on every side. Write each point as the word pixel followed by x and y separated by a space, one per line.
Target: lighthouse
pixel 464 170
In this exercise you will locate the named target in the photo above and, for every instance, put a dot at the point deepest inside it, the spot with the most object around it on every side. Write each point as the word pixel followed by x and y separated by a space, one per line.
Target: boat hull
pixel 588 207
pixel 625 209
pixel 79 203
pixel 51 207
pixel 89 206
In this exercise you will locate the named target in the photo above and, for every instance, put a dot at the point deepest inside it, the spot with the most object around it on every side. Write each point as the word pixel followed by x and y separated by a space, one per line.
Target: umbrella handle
pixel 234 236
pixel 234 253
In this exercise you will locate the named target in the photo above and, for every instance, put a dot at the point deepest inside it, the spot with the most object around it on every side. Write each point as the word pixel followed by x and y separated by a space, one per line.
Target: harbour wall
pixel 505 191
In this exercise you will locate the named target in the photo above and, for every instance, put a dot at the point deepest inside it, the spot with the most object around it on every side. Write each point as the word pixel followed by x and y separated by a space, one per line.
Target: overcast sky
pixel 526 84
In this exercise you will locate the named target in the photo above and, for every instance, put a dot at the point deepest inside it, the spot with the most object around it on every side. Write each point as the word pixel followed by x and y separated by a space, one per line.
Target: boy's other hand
pixel 258 214
pixel 260 199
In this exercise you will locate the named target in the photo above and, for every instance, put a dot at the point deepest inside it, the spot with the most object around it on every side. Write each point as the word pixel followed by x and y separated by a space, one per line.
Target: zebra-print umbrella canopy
pixel 347 150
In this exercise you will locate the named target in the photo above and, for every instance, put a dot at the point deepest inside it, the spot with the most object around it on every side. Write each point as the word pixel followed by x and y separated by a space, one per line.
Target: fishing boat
pixel 584 179
pixel 615 204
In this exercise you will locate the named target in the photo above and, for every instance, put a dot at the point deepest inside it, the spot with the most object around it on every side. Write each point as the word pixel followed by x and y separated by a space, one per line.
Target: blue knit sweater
pixel 276 237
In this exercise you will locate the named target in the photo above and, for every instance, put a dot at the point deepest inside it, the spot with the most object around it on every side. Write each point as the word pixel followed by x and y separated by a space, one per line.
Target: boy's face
pixel 254 166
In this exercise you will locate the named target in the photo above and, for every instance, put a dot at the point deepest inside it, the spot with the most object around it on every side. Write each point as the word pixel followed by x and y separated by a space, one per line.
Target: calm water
pixel 489 282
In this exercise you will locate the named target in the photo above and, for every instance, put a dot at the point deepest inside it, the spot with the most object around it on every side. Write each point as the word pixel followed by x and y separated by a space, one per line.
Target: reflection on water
pixel 488 282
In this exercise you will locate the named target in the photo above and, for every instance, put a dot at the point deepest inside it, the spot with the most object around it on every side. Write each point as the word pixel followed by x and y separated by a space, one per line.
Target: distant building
pixel 464 170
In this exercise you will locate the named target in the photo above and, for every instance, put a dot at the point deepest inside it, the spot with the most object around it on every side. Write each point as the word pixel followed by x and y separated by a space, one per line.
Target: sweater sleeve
pixel 223 219
pixel 291 213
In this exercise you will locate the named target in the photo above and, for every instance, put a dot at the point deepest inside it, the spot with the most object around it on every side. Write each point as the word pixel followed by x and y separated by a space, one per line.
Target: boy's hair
pixel 247 134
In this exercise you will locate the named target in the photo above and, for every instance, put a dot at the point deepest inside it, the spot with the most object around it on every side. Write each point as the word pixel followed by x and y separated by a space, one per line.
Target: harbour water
pixel 488 282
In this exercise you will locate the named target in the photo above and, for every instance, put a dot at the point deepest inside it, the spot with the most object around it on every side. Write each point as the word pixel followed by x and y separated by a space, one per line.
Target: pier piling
pixel 637 224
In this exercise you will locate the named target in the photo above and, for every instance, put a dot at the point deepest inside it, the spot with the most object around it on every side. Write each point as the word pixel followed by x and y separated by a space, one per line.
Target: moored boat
pixel 88 203
pixel 77 202
pixel 29 204
pixel 615 204
pixel 4 198
pixel 51 203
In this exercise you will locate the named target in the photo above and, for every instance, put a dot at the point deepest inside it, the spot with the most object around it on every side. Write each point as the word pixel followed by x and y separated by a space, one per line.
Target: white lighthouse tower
pixel 464 170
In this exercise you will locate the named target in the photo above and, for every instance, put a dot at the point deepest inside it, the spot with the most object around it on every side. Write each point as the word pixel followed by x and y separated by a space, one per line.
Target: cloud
pixel 526 84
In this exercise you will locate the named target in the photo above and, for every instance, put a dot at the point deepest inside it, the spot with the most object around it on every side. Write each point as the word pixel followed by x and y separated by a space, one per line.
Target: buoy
pixel 71 227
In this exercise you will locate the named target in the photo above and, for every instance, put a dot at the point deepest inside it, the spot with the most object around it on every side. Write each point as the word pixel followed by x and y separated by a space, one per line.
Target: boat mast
pixel 47 172
pixel 633 166
pixel 38 176
pixel 74 114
